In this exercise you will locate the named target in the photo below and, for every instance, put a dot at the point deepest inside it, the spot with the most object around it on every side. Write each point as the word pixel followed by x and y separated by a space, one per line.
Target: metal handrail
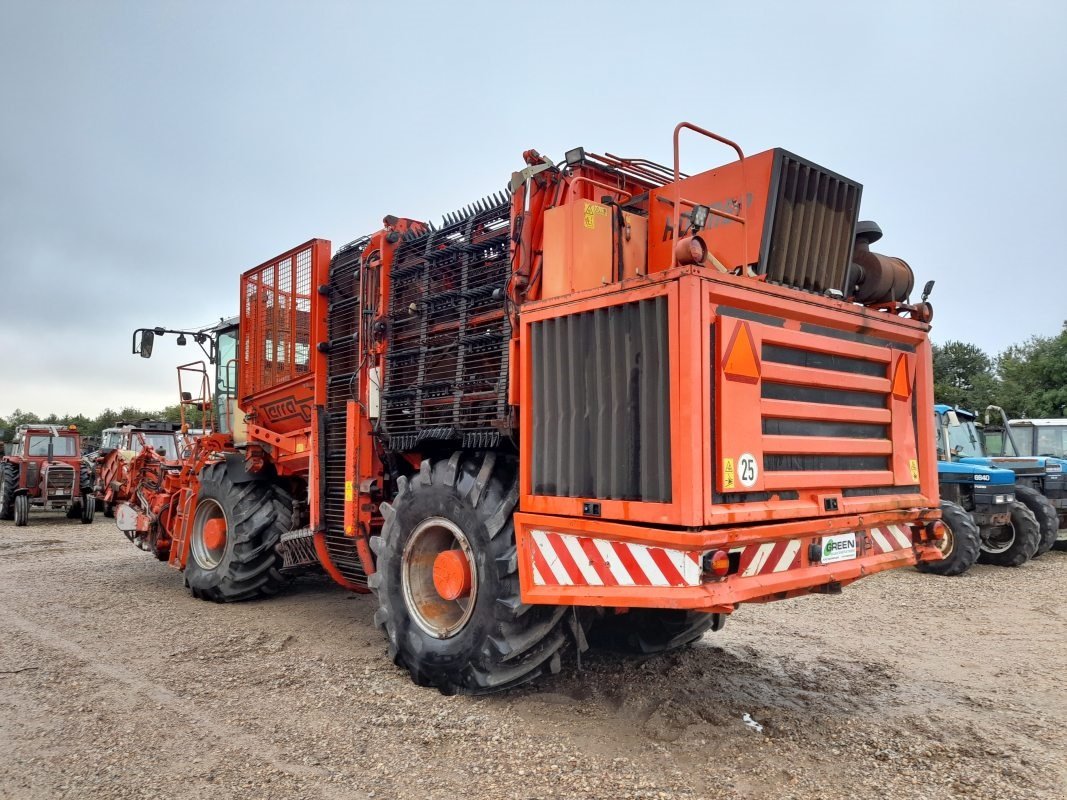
pixel 740 218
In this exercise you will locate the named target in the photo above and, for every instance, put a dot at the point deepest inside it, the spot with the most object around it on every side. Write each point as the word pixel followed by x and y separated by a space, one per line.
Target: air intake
pixel 811 221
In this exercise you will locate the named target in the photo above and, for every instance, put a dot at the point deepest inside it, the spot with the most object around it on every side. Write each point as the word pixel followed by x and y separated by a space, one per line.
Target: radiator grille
pixel 601 403
pixel 808 244
pixel 448 332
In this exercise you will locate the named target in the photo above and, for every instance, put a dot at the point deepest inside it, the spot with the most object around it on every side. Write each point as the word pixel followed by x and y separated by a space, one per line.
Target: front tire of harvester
pixel 1023 545
pixel 1047 518
pixel 960 548
pixel 22 510
pixel 9 482
pixel 233 541
pixel 109 510
pixel 647 631
pixel 484 639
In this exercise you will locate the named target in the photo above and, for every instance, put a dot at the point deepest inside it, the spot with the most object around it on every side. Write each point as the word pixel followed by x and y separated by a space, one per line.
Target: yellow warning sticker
pixel 348 492
pixel 728 477
pixel 592 211
pixel 913 466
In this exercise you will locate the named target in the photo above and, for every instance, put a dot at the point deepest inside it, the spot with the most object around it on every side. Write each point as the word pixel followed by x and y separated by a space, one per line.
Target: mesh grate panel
pixel 446 368
pixel 276 311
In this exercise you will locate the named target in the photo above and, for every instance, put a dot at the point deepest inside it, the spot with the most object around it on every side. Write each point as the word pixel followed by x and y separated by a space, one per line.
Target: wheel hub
pixel 947 542
pixel 452 575
pixel 1000 539
pixel 438 578
pixel 208 541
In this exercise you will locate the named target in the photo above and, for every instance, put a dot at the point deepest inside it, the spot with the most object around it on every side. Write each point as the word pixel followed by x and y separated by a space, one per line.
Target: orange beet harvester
pixel 610 404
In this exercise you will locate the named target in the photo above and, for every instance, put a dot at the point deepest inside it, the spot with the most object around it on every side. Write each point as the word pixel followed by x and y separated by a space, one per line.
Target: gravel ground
pixel 115 683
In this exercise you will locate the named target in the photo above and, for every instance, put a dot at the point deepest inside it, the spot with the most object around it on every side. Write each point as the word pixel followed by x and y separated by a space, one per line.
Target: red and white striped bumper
pixel 611 564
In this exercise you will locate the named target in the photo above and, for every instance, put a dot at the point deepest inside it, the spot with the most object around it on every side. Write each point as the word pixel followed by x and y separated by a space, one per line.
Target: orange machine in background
pixel 645 396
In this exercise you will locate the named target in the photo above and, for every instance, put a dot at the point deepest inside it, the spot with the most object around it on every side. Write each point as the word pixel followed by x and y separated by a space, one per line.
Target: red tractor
pixel 43 468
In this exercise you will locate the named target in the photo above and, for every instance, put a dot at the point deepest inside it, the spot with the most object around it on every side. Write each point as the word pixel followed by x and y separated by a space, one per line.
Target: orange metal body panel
pixel 578 248
pixel 705 313
pixel 633 249
pixel 724 190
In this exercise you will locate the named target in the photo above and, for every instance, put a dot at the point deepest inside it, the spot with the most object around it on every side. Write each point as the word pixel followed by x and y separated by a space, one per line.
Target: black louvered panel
pixel 809 241
pixel 601 416
pixel 342 380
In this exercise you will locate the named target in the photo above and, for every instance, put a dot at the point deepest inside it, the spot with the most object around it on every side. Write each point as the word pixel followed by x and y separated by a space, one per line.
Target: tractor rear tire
pixel 1047 518
pixel 961 547
pixel 233 540
pixel 647 631
pixel 484 639
pixel 1024 543
pixel 9 482
pixel 22 510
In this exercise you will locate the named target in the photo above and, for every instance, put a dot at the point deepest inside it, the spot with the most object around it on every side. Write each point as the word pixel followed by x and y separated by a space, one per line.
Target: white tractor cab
pixel 131 438
pixel 1040 437
pixel 1035 450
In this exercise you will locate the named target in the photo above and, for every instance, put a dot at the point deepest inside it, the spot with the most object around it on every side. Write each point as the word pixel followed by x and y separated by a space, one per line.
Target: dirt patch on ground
pixel 115 683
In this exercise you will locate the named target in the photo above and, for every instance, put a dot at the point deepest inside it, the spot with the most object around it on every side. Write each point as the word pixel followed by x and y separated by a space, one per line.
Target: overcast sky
pixel 152 151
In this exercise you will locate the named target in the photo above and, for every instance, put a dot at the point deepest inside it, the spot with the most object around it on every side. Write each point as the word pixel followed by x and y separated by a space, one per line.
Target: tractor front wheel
pixel 88 509
pixel 22 510
pixel 1047 518
pixel 1013 544
pixel 448 587
pixel 235 532
pixel 9 482
pixel 960 547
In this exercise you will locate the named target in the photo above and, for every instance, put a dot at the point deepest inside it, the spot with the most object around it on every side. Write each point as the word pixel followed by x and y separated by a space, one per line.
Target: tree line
pixel 1026 380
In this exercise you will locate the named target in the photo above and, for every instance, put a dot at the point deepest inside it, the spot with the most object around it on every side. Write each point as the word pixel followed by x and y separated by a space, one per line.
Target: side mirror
pixel 144 347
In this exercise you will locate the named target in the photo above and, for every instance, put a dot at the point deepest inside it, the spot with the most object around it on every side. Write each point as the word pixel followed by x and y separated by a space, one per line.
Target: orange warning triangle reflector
pixel 901 384
pixel 741 361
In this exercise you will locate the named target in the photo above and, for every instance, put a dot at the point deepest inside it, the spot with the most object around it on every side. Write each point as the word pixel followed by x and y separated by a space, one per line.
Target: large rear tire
pixel 961 545
pixel 1017 544
pixel 646 631
pixel 1047 518
pixel 9 482
pixel 483 639
pixel 233 540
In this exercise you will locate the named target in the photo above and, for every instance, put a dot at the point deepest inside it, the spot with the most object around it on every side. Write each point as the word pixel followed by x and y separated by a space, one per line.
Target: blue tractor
pixel 960 441
pixel 979 508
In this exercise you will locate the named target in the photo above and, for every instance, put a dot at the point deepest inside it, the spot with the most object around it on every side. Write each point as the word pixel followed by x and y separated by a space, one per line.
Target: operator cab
pixel 1040 437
